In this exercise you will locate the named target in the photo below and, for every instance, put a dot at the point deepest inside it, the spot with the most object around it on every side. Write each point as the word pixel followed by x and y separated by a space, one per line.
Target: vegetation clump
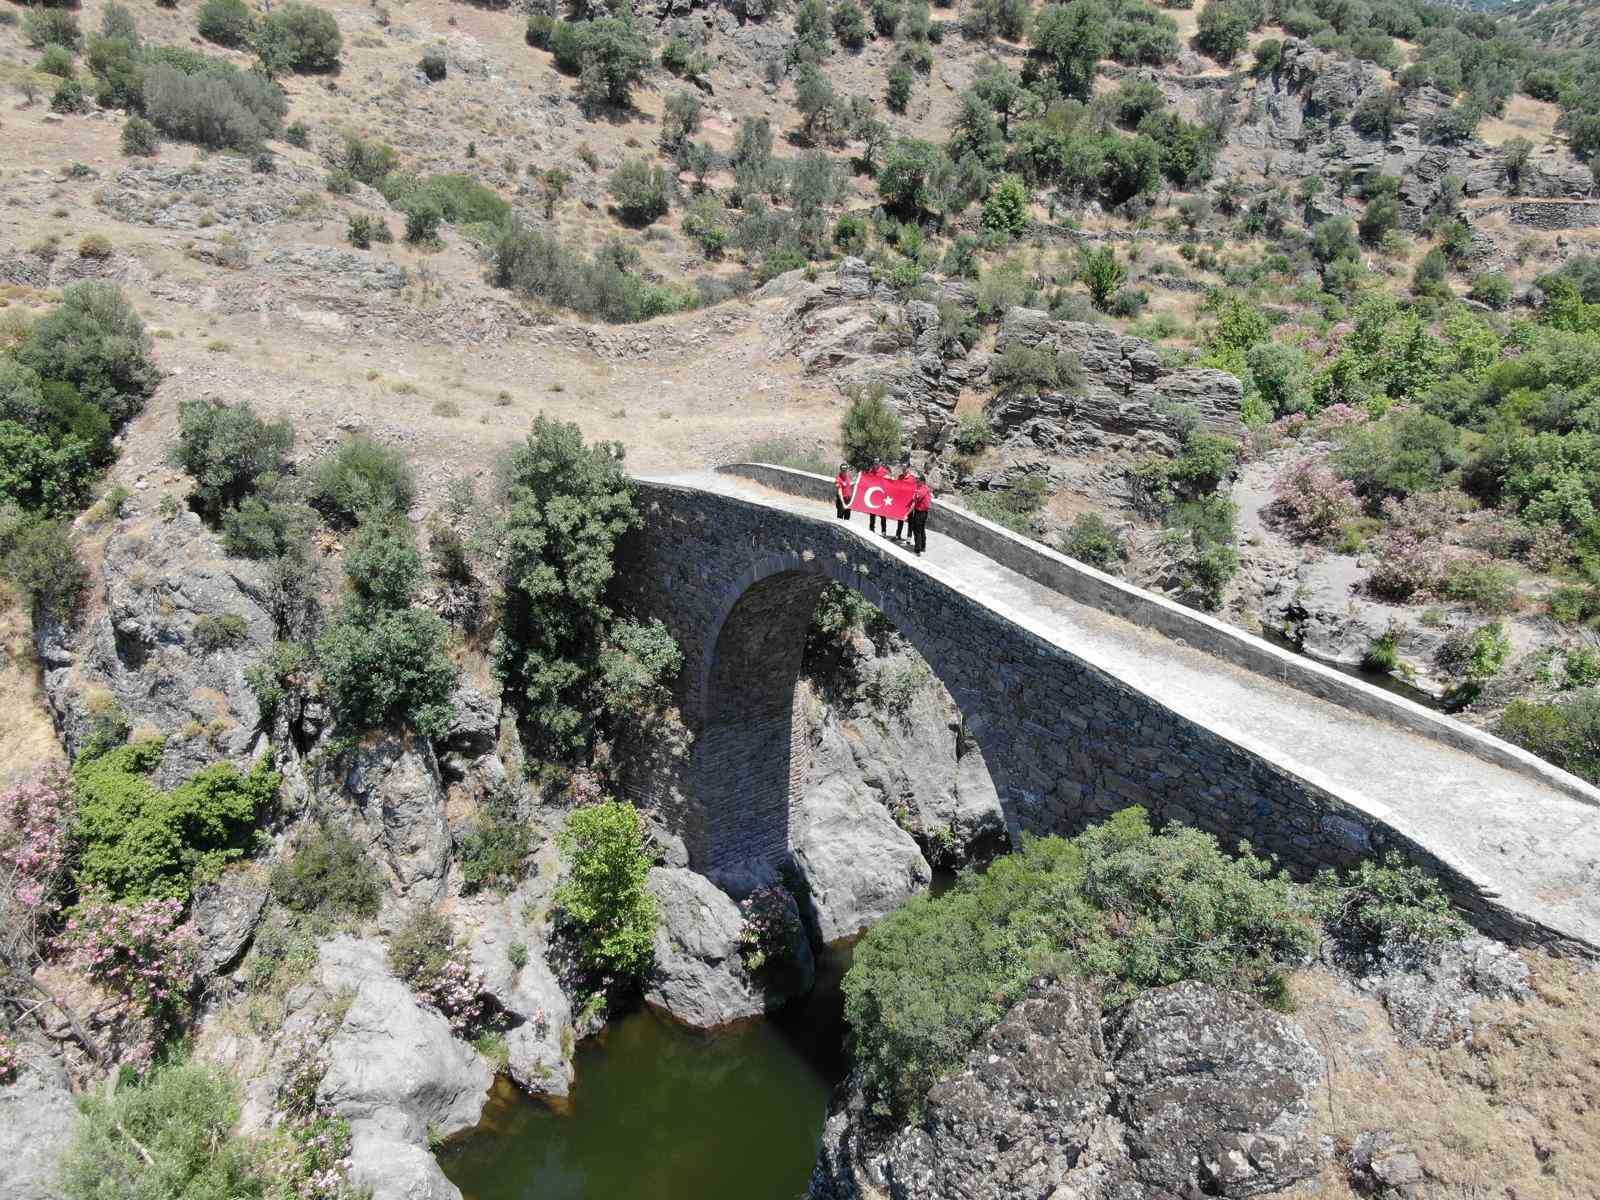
pixel 1120 905
pixel 603 899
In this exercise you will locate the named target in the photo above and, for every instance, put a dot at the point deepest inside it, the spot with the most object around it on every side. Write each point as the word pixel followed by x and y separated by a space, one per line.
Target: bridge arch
pixel 750 754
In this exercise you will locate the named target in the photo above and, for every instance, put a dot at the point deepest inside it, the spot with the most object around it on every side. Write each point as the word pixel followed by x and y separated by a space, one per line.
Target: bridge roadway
pixel 1527 838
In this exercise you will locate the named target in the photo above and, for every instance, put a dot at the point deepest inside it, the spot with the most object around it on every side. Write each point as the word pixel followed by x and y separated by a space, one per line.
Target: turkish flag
pixel 881 496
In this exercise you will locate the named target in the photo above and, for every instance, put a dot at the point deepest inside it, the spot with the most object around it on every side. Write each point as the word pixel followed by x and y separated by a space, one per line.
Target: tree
pixel 298 37
pixel 553 183
pixel 850 24
pixel 567 505
pixel 1006 209
pixel 1003 92
pixel 870 431
pixel 226 22
pixel 903 178
pixel 897 93
pixel 814 99
pixel 96 342
pixel 387 667
pixel 973 130
pixel 811 29
pixel 640 190
pixel 1514 155
pixel 1380 216
pixel 1334 239
pixel 1071 39
pixel 604 899
pixel 614 58
pixel 1102 274
pixel 680 119
pixel 1223 30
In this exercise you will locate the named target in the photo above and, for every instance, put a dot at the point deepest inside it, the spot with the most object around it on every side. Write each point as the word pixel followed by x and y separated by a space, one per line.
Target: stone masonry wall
pixel 1066 743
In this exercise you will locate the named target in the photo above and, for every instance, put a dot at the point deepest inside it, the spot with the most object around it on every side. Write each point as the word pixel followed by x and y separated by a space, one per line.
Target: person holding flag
pixel 875 472
pixel 921 503
pixel 841 492
pixel 906 474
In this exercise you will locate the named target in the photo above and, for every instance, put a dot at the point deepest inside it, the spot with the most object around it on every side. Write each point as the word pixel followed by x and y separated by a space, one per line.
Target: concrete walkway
pixel 1534 848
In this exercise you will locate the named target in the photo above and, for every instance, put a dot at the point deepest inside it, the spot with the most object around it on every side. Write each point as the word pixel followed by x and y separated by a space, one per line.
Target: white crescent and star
pixel 867 498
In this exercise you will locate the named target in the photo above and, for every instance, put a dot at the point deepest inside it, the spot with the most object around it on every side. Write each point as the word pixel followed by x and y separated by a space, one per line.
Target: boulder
pixel 392 1061
pixel 858 865
pixel 157 652
pixel 386 1159
pixel 540 1039
pixel 1189 1091
pixel 1018 1118
pixel 700 976
pixel 226 913
pixel 1213 1091
pixel 1430 992
pixel 395 786
pixel 38 1120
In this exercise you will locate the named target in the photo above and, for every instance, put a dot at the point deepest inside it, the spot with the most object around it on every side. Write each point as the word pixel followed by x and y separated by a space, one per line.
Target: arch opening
pixel 754 746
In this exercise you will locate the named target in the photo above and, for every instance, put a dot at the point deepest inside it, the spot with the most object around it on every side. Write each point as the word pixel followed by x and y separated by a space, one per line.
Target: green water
pixel 661 1112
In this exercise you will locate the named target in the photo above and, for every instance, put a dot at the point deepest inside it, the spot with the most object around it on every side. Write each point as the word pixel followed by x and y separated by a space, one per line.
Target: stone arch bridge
pixel 1085 695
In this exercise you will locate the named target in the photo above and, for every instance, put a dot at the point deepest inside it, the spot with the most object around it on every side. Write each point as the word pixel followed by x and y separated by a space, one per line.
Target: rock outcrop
pixel 38 1120
pixel 700 976
pixel 1189 1091
pixel 167 647
pixel 396 1072
pixel 858 865
pixel 394 784
pixel 226 913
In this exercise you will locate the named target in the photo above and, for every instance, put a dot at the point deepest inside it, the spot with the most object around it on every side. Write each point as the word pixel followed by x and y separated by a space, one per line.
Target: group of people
pixel 917 517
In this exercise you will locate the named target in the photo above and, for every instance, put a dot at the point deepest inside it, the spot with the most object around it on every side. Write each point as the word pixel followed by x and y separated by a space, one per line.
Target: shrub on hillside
pixel 237 111
pixel 94 341
pixel 137 841
pixel 423 953
pixel 41 561
pixel 45 26
pixel 363 478
pixel 870 430
pixel 387 668
pixel 225 449
pixel 139 138
pixel 1314 501
pixel 226 22
pixel 538 265
pixel 57 61
pixel 641 191
pixel 383 564
pixel 298 37
pixel 1091 539
pixel 603 901
pixel 68 98
pixel 1566 733
pixel 492 853
pixel 329 875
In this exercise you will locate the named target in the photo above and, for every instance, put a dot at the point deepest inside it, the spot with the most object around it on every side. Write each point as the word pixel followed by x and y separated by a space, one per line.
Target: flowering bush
pixel 311 1161
pixel 771 933
pixel 1408 565
pixel 422 953
pixel 1341 416
pixel 1289 426
pixel 10 1061
pixel 36 819
pixel 143 952
pixel 1313 500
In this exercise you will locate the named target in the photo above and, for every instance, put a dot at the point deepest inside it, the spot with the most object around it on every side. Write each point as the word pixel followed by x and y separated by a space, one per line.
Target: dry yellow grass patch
pixel 1513 1112
pixel 1524 117
pixel 27 735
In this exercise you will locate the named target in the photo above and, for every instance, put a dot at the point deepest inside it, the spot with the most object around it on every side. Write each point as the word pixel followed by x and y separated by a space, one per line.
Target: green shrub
pixel 298 37
pixel 603 900
pixel 213 632
pixel 640 190
pixel 1377 905
pixel 1485 586
pixel 69 98
pixel 329 876
pixel 169 1135
pixel 137 841
pixel 1091 539
pixel 421 947
pixel 226 449
pixel 233 111
pixel 1491 288
pixel 297 134
pixel 1020 369
pixel 272 679
pixel 1381 654
pixel 42 563
pixel 362 479
pixel 1119 905
pixel 365 229
pixel 44 26
pixel 972 432
pixel 383 564
pixel 637 667
pixel 139 138
pixel 57 60
pixel 539 265
pixel 901 81
pixel 387 668
pixel 492 854
pixel 435 66
pixel 1566 733
pixel 367 161
pixel 226 22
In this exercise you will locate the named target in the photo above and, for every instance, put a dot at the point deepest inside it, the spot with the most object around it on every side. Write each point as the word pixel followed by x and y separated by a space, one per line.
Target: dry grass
pixel 1512 1113
pixel 1524 117
pixel 27 736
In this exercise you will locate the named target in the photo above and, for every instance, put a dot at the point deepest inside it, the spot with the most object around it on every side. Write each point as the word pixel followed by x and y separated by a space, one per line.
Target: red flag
pixel 881 496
